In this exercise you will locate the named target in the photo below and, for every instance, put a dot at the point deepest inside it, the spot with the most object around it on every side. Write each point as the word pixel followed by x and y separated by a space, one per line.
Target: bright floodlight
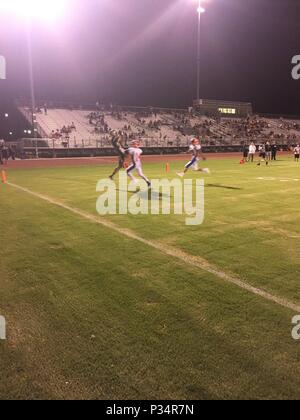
pixel 41 9
pixel 200 8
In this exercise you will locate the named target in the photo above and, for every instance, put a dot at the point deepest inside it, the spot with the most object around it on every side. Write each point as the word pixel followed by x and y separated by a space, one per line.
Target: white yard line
pixel 168 250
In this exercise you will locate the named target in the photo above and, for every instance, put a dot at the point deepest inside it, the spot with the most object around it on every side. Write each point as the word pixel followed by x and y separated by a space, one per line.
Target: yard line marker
pixel 168 250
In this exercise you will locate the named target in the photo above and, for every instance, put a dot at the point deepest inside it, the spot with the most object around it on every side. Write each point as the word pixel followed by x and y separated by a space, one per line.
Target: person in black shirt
pixel 268 151
pixel 245 152
pixel 274 151
pixel 2 152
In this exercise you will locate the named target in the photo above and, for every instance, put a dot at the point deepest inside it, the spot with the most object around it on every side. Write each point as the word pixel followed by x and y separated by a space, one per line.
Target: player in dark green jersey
pixel 118 143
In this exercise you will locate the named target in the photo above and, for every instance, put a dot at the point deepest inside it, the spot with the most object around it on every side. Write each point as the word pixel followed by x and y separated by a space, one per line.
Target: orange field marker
pixel 167 168
pixel 4 177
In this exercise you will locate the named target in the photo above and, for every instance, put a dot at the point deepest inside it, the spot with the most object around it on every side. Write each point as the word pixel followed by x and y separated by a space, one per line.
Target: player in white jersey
pixel 135 153
pixel 196 150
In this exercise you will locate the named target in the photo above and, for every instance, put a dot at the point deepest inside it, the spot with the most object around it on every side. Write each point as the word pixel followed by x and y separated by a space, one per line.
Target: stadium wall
pixel 46 153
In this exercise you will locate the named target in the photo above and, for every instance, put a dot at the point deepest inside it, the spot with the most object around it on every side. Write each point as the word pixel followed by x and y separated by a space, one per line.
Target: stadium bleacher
pixel 79 128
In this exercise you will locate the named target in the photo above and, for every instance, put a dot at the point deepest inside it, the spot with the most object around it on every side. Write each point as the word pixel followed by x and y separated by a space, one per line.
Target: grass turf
pixel 92 314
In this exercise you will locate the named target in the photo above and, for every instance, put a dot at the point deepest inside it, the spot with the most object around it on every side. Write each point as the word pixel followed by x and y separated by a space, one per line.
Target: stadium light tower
pixel 31 81
pixel 200 10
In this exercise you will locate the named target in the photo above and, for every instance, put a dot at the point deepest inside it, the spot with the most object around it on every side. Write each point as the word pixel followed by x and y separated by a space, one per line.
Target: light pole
pixel 32 88
pixel 200 10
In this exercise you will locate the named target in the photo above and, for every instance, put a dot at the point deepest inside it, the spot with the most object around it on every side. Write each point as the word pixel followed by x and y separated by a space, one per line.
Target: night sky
pixel 143 52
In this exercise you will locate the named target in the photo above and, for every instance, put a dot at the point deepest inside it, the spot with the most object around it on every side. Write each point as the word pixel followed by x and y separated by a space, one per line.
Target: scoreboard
pixel 214 108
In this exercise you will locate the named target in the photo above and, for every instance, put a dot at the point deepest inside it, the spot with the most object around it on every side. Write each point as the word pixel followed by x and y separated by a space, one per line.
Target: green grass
pixel 93 314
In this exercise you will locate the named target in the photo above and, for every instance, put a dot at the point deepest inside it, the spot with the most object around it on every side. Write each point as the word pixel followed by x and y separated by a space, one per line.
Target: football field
pixel 145 307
